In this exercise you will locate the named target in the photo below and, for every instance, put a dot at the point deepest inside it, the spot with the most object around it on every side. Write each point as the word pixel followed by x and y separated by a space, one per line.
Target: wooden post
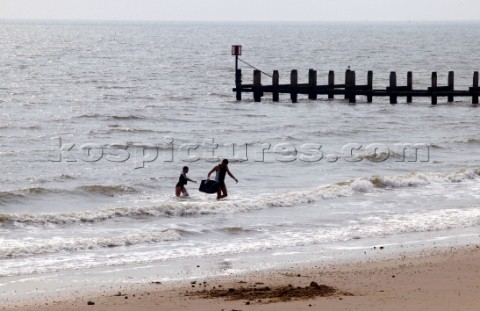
pixel 451 85
pixel 409 86
pixel 293 84
pixel 393 87
pixel 331 83
pixel 434 86
pixel 275 83
pixel 257 85
pixel 475 88
pixel 312 82
pixel 238 83
pixel 370 86
pixel 347 77
pixel 352 91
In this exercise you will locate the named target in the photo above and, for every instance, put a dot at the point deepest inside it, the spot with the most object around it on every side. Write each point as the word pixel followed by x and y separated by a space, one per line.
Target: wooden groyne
pixel 349 89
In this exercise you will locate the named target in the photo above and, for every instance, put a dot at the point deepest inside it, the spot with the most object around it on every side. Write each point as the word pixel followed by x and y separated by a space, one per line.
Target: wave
pixel 31 127
pixel 220 95
pixel 365 227
pixel 108 190
pixel 89 116
pixel 472 141
pixel 66 177
pixel 193 208
pixel 127 117
pixel 105 190
pixel 15 195
pixel 331 132
pixel 124 130
pixel 115 87
pixel 7 197
pixel 114 117
pixel 460 141
pixel 435 146
pixel 383 225
pixel 21 248
pixel 420 179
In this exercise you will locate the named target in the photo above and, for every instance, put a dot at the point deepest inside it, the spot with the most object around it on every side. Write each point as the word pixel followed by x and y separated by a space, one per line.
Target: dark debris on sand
pixel 270 294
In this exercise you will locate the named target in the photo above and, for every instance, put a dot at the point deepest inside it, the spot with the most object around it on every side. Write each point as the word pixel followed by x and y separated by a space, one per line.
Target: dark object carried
pixel 209 186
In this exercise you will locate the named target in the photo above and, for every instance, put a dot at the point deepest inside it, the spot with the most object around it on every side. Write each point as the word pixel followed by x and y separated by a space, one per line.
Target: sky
pixel 243 10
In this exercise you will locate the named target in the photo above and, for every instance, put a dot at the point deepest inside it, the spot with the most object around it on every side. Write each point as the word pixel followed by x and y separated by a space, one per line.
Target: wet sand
pixel 442 280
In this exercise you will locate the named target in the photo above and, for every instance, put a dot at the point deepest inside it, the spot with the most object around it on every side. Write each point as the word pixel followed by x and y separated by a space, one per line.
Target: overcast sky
pixel 243 10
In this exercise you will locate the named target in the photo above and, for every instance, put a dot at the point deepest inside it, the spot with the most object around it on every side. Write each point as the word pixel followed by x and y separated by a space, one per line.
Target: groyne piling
pixel 350 90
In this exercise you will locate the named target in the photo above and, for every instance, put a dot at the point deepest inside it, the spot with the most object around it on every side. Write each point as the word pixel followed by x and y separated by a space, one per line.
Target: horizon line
pixel 26 19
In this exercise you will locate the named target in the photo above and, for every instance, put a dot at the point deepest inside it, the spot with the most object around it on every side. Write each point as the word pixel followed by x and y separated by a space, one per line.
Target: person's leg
pixel 225 194
pixel 184 191
pixel 178 190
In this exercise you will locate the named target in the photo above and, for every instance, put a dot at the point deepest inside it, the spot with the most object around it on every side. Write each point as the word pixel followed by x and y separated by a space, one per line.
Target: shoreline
pixel 445 279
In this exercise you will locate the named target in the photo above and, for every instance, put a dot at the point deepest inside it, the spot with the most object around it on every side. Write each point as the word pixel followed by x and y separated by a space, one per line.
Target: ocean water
pixel 98 119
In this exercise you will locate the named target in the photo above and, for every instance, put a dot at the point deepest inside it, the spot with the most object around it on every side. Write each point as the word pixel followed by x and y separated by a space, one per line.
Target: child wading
pixel 182 181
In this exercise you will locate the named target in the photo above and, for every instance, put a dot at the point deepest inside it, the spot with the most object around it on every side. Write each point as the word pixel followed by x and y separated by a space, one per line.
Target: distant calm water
pixel 98 119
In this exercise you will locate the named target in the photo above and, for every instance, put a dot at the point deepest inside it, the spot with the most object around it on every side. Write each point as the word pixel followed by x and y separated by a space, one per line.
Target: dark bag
pixel 209 186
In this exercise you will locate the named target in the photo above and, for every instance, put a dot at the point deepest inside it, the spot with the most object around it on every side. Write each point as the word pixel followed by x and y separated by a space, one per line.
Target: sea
pixel 99 118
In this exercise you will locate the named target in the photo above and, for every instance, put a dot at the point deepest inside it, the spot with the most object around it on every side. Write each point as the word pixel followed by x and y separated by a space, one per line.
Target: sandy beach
pixel 439 280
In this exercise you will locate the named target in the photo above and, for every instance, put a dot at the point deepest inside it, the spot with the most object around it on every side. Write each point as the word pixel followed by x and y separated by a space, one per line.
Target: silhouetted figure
pixel 221 171
pixel 182 181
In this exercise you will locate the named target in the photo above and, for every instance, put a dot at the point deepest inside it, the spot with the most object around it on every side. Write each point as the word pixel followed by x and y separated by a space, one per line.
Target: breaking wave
pixel 20 248
pixel 192 208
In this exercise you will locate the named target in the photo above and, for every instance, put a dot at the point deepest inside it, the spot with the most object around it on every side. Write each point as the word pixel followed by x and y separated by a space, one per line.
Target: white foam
pixel 34 246
pixel 208 207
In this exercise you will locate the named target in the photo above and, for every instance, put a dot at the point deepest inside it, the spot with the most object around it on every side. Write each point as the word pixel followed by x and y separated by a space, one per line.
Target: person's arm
pixel 231 175
pixel 191 180
pixel 210 173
